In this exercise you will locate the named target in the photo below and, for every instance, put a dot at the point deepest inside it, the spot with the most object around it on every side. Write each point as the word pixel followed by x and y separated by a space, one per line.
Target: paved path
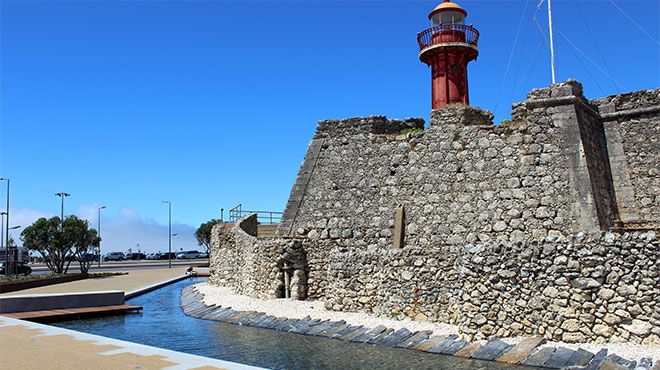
pixel 135 280
pixel 27 345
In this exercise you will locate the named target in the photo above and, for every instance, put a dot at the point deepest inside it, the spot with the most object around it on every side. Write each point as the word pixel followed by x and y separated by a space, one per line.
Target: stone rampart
pixel 504 228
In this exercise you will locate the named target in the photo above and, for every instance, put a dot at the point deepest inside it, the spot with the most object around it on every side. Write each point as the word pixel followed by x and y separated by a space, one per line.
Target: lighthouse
pixel 447 47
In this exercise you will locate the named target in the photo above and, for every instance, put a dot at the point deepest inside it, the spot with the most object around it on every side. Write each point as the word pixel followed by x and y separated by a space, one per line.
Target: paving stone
pixel 540 357
pixel 521 351
pixel 225 315
pixel 454 347
pixel 301 327
pixel 323 326
pixel 354 334
pixel 381 336
pixel 491 350
pixel 235 317
pixel 580 358
pixel 425 345
pixel 646 363
pixel 202 311
pixel 209 314
pixel 334 330
pixel 559 358
pixel 267 322
pixel 468 350
pixel 370 334
pixel 440 346
pixel 415 339
pixel 612 365
pixel 346 331
pixel 598 360
pixel 287 324
pixel 259 318
pixel 395 338
pixel 627 364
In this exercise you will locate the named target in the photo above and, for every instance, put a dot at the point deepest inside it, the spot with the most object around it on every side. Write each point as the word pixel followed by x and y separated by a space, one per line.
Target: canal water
pixel 163 324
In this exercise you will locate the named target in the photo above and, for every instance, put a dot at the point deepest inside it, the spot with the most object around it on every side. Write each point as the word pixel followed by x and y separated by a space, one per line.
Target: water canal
pixel 163 324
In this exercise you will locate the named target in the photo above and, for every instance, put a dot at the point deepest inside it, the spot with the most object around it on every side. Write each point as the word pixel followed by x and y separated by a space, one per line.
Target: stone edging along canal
pixel 528 352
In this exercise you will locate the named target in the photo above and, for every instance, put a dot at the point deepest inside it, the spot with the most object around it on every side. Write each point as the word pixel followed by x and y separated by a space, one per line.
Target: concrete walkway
pixel 27 345
pixel 135 280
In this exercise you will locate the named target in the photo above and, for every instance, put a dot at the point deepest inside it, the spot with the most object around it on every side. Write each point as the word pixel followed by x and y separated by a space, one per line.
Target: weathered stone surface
pixel 509 230
pixel 491 350
pixel 579 358
pixel 468 350
pixel 540 357
pixel 521 351
pixel 396 337
pixel 429 343
pixel 415 339
pixel 370 334
pixel 443 344
pixel 559 358
pixel 454 347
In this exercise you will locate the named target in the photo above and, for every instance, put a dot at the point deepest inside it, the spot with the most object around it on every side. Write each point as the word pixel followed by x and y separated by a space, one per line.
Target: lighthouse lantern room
pixel 447 47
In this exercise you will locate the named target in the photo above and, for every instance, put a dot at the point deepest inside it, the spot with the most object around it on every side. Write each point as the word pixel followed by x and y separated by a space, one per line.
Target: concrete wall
pixel 42 302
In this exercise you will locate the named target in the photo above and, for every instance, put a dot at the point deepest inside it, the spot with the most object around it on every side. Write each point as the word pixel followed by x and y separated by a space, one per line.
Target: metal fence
pixel 264 217
pixel 448 33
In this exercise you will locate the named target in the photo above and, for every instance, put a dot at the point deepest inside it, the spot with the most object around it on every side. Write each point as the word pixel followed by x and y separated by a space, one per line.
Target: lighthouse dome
pixel 447 6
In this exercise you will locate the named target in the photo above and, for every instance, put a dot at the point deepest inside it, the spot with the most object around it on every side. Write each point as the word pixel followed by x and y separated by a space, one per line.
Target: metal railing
pixel 264 217
pixel 447 33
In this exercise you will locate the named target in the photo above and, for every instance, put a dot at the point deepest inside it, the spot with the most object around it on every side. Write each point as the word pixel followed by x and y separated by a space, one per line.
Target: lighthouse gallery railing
pixel 448 33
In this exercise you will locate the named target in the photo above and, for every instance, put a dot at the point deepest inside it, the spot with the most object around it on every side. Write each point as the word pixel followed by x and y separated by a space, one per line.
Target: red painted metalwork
pixel 447 49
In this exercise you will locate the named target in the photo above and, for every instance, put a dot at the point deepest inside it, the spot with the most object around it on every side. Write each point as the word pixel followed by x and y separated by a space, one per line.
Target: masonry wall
pixel 503 224
pixel 632 125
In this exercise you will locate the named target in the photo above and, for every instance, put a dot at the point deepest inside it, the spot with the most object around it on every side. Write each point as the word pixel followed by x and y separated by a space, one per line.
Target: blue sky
pixel 212 103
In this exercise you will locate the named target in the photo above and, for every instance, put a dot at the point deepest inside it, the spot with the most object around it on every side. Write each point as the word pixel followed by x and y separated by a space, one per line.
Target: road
pixel 40 268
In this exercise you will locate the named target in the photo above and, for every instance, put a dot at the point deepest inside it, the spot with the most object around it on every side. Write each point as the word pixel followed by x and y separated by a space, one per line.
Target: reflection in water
pixel 163 324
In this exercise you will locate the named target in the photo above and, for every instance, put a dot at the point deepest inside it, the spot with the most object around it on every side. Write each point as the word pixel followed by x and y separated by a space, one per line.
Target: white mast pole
pixel 552 45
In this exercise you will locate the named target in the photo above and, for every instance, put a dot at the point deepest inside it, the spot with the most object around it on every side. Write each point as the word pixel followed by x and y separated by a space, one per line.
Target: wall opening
pixel 292 275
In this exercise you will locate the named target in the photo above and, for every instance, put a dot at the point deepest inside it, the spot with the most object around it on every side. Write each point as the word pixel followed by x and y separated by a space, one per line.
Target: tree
pixel 82 240
pixel 203 234
pixel 59 243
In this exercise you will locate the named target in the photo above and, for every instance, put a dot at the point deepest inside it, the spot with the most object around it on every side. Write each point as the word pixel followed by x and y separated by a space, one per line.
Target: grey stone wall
pixel 504 225
pixel 632 127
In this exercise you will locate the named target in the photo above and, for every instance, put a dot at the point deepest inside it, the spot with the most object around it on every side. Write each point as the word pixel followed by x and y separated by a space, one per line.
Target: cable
pixel 531 68
pixel 513 49
pixel 595 43
pixel 636 24
pixel 590 60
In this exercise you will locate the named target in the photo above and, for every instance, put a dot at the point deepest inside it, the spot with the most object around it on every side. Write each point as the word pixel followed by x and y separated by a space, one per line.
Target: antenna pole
pixel 552 45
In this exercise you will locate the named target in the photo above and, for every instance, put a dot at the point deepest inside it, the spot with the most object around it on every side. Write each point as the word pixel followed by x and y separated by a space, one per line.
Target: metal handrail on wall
pixel 263 217
pixel 434 35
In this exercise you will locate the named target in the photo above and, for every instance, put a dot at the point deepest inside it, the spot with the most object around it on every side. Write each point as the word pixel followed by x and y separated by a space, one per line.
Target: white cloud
pixel 119 232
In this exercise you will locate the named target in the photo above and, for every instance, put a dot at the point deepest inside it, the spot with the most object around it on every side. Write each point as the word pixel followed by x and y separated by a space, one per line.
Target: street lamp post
pixel 169 233
pixel 99 232
pixel 7 229
pixel 62 195
pixel 2 242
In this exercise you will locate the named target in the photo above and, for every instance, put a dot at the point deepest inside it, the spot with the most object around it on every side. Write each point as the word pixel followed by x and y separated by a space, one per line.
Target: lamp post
pixel 62 195
pixel 2 241
pixel 169 233
pixel 99 232
pixel 7 231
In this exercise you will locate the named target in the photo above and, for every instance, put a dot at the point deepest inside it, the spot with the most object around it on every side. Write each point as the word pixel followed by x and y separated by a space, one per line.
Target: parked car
pixel 90 257
pixel 136 256
pixel 164 256
pixel 21 268
pixel 153 256
pixel 114 256
pixel 203 255
pixel 187 255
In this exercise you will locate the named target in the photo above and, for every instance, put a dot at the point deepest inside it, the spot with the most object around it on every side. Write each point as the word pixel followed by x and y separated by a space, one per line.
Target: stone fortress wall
pixel 542 225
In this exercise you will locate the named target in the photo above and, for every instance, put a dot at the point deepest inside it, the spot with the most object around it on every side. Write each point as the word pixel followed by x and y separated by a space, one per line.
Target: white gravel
pixel 225 297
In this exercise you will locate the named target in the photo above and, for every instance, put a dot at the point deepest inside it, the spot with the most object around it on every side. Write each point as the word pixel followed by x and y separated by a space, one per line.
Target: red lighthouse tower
pixel 448 46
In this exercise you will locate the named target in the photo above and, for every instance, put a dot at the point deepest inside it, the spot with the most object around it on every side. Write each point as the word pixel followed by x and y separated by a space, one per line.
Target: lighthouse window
pixel 452 18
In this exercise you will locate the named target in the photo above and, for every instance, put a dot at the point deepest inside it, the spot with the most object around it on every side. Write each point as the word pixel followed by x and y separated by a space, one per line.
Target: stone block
pixel 395 338
pixel 491 350
pixel 468 351
pixel 540 357
pixel 454 347
pixel 415 339
pixel 559 358
pixel 427 344
pixel 521 351
pixel 579 358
